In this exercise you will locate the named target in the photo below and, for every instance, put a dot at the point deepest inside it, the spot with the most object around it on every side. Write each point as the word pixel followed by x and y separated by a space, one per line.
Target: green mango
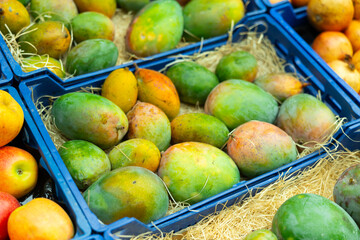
pixel 91 55
pixel 132 5
pixel 156 28
pixel 90 117
pixel 85 161
pixel 193 82
pixel 261 234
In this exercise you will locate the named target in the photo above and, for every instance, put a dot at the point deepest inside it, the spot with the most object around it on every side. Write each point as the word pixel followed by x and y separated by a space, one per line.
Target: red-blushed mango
pixel 237 65
pixel 49 37
pixel 128 192
pixel 210 18
pixel 14 15
pixel 259 147
pixel 36 62
pixel 156 88
pixel 90 117
pixel 135 152
pixel 106 7
pixel 91 25
pixel 121 88
pixel 236 101
pixel 261 234
pixel 199 127
pixel 193 82
pixel 280 85
pixel 156 28
pixel 306 119
pixel 149 122
pixel 62 11
pixel 85 161
pixel 195 171
pixel 132 5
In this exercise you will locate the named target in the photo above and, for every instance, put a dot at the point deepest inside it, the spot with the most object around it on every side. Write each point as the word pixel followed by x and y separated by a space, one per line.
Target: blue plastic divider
pixel 295 22
pixel 253 7
pixel 6 75
pixel 95 237
pixel 31 137
pixel 304 65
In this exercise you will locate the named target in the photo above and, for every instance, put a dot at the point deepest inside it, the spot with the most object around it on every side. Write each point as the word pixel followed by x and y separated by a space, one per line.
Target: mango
pixel 49 37
pixel 261 234
pixel 310 216
pixel 85 161
pixel 347 192
pixel 128 192
pixel 193 82
pixel 14 15
pixel 101 121
pixel 62 11
pixel 156 28
pixel 210 18
pixel 199 127
pixel 91 55
pixel 36 62
pixel 237 65
pixel 156 88
pixel 149 122
pixel 132 5
pixel 195 171
pixel 280 85
pixel 121 88
pixel 236 101
pixel 91 25
pixel 106 7
pixel 259 147
pixel 135 152
pixel 306 119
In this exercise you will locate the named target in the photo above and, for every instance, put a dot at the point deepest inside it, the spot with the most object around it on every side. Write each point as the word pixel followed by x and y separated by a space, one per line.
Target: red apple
pixel 8 204
pixel 18 171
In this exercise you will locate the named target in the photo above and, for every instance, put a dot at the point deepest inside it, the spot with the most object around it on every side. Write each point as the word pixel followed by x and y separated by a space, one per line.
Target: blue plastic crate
pixel 304 65
pixel 6 75
pixel 295 22
pixel 253 7
pixel 94 237
pixel 30 137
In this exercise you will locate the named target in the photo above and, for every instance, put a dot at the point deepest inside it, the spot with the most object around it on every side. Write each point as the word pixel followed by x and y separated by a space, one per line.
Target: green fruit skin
pixel 149 122
pixel 25 2
pixel 262 234
pixel 128 192
pixel 90 117
pixel 192 81
pixel 156 28
pixel 236 101
pixel 312 217
pixel 305 118
pixel 195 171
pixel 347 192
pixel 85 161
pixel 237 65
pixel 91 55
pixel 210 18
pixel 199 127
pixel 92 25
pixel 132 5
pixel 62 11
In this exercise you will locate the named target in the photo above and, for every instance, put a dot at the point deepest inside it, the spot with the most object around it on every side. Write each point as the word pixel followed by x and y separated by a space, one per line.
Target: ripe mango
pixel 156 28
pixel 49 37
pixel 36 62
pixel 91 25
pixel 128 192
pixel 90 117
pixel 193 82
pixel 106 7
pixel 149 122
pixel 132 5
pixel 14 15
pixel 91 55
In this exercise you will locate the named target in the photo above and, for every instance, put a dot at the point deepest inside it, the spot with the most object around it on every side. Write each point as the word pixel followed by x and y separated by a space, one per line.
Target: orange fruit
pixel 331 45
pixel 347 72
pixel 330 15
pixel 40 219
pixel 352 32
pixel 11 118
pixel 356 9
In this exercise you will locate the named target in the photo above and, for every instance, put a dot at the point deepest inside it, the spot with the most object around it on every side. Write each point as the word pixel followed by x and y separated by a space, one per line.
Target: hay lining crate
pixel 30 140
pixel 253 7
pixel 6 75
pixel 295 22
pixel 304 65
